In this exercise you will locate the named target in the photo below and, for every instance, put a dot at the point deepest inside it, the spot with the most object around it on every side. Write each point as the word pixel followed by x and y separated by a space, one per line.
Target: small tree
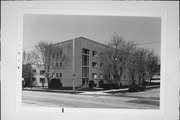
pixel 55 83
pixel 101 83
pixel 152 65
pixel 141 59
pixel 26 58
pixel 131 65
pixel 119 50
pixel 91 84
pixel 27 74
pixel 50 56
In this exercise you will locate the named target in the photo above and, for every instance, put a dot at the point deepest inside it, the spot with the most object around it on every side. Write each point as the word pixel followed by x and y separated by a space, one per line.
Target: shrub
pixel 55 83
pixel 23 84
pixel 133 88
pixel 152 83
pixel 142 87
pixel 124 86
pixel 27 82
pixel 106 86
pixel 101 83
pixel 91 84
pixel 114 86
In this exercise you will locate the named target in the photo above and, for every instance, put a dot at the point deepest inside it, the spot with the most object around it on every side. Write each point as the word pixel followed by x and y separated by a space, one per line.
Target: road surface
pixel 49 99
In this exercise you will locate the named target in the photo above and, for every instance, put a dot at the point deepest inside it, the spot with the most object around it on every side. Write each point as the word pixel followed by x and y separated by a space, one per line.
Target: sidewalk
pixel 51 90
pixel 151 92
pixel 114 92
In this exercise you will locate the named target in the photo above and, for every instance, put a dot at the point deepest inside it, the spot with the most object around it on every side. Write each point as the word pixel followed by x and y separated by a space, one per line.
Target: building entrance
pixel 85 82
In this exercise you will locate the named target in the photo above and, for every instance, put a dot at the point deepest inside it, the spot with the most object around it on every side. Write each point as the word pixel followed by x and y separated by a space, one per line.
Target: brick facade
pixel 94 67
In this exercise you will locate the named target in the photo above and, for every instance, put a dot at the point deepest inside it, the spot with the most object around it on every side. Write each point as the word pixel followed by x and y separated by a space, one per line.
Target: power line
pixel 141 24
pixel 148 43
pixel 29 47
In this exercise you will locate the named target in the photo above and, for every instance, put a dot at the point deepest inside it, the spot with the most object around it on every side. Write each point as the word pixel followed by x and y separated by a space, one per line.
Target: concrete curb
pixel 53 91
pixel 105 92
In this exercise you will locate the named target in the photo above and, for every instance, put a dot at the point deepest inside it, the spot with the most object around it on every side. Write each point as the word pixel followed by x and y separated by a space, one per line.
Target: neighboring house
pixel 38 75
pixel 33 75
pixel 88 65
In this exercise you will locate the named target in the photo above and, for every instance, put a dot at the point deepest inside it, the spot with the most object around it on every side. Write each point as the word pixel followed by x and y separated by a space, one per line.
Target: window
pixel 115 58
pixel 57 75
pixel 53 55
pixel 94 64
pixel 56 65
pixel 52 65
pixel 101 76
pixel 115 77
pixel 42 72
pixel 69 47
pixel 60 64
pixel 94 53
pixel 101 54
pixel 85 60
pixel 85 72
pixel 85 51
pixel 101 65
pixel 60 53
pixel 85 81
pixel 33 79
pixel 42 80
pixel 94 75
pixel 60 74
pixel 57 55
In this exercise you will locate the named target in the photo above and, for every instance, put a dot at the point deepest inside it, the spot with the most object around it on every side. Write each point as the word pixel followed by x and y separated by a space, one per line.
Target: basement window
pixel 94 75
pixel 94 53
pixel 94 64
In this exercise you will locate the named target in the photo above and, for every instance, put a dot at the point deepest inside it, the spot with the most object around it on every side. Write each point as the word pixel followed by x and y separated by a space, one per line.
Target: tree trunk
pixel 48 82
pixel 133 82
pixel 43 84
pixel 150 79
pixel 139 78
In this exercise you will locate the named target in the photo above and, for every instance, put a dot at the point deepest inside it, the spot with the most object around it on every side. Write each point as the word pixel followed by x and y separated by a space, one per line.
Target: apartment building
pixel 82 62
pixel 38 75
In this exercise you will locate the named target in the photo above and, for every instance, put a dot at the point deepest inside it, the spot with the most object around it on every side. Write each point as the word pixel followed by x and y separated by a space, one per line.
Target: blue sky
pixel 56 28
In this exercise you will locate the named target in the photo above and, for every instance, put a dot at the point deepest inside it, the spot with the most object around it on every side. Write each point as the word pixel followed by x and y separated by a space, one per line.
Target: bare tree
pixel 152 64
pixel 141 67
pixel 131 65
pixel 125 59
pixel 53 61
pixel 120 50
pixel 107 65
pixel 27 74
pixel 26 57
pixel 50 56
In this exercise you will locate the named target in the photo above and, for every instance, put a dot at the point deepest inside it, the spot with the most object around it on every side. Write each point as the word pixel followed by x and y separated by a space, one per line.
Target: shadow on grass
pixel 145 101
pixel 90 89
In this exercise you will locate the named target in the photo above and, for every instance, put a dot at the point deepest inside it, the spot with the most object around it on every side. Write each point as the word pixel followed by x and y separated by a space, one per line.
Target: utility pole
pixel 73 66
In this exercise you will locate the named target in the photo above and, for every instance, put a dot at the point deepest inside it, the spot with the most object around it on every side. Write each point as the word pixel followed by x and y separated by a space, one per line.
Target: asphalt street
pixel 49 99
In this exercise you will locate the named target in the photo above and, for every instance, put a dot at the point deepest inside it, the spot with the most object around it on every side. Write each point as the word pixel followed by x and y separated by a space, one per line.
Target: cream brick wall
pixel 66 70
pixel 92 46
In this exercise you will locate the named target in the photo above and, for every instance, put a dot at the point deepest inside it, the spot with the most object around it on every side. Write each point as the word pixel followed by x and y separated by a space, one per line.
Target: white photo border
pixel 36 113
